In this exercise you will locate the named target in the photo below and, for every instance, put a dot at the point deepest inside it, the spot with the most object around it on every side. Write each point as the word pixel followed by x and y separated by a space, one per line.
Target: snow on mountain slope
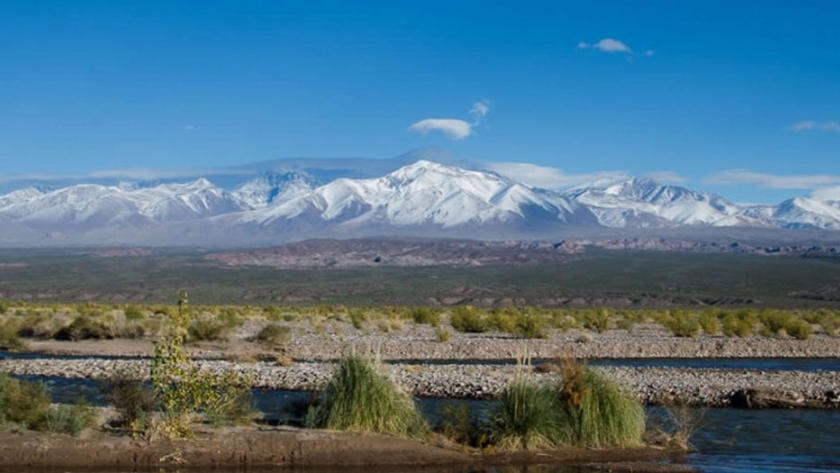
pixel 273 187
pixel 642 202
pixel 418 194
pixel 92 206
pixel 423 197
pixel 801 212
pixel 19 197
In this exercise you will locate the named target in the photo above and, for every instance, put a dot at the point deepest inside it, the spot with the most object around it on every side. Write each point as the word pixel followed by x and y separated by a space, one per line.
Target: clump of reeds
pixel 526 417
pixel 595 411
pixel 359 398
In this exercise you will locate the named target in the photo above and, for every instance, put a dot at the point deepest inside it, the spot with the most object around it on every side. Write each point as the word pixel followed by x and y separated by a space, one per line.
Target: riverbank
pixel 253 448
pixel 463 375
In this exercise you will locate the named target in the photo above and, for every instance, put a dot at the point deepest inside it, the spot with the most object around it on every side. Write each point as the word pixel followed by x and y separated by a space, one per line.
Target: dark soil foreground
pixel 250 449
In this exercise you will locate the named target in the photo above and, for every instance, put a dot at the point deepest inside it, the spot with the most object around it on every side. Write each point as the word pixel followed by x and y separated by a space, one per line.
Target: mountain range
pixel 417 197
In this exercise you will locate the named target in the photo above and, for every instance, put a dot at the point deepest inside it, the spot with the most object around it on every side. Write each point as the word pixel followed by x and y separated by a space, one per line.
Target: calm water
pixel 761 364
pixel 728 439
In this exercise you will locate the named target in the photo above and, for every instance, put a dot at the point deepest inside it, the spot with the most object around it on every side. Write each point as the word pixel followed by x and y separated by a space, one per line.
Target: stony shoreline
pixel 654 386
pixel 464 375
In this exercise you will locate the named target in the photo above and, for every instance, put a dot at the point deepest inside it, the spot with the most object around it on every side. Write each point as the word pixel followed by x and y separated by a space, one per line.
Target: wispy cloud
pixel 454 128
pixel 607 45
pixel 133 174
pixel 544 177
pixel 773 181
pixel 809 125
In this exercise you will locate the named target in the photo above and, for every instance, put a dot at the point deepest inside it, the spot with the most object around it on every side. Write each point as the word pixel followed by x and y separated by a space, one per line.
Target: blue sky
pixel 740 98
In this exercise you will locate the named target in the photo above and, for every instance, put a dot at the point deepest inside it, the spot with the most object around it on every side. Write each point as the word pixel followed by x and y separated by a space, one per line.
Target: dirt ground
pixel 258 448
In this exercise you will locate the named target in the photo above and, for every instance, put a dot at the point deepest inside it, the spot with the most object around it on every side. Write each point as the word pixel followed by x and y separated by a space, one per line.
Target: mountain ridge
pixel 421 197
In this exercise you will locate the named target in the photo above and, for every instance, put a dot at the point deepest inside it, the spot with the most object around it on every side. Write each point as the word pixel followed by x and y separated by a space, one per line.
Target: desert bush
pixel 468 319
pixel 829 324
pixel 186 393
pixel 683 324
pixel 9 338
pixel 773 322
pixel 83 327
pixel 798 329
pixel 443 335
pixel 425 315
pixel 358 317
pixel 4 307
pixel 132 312
pixel 23 403
pixel 273 334
pixel 597 321
pixel 70 419
pixel 359 398
pixel 526 417
pixel 207 328
pixel 531 326
pixel 595 411
pixel 737 325
pixel 709 322
pixel 133 400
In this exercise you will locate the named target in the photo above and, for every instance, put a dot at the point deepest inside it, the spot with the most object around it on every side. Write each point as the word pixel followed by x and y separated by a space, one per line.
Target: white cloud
pixel 667 177
pixel 189 128
pixel 545 177
pixel 650 52
pixel 454 128
pixel 810 125
pixel 827 193
pixel 607 45
pixel 480 110
pixel 773 181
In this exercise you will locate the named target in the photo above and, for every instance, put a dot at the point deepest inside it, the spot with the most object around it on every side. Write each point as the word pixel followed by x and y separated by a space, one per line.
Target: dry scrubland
pixel 555 405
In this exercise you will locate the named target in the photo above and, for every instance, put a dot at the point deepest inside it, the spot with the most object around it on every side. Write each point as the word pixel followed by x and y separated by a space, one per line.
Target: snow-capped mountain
pixel 420 198
pixel 275 187
pixel 419 194
pixel 640 202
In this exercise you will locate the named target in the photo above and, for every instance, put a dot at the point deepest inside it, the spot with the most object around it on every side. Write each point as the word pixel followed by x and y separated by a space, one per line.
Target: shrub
pixel 70 419
pixel 709 323
pixel 443 335
pixel 274 334
pixel 531 326
pixel 526 417
pixel 358 398
pixel 133 400
pixel 683 324
pixel 774 322
pixel 798 329
pixel 425 315
pixel 467 319
pixel 83 328
pixel 596 412
pixel 206 329
pixel 733 325
pixel 358 317
pixel 9 338
pixel 132 312
pixel 23 403
pixel 4 307
pixel 597 321
pixel 186 393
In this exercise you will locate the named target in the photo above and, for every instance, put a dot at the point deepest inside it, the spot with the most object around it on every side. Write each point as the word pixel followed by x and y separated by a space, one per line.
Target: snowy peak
pixel 421 197
pixel 273 187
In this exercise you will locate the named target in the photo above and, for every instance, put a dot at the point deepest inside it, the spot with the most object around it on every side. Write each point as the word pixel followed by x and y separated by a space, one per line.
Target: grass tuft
pixel 358 398
pixel 526 417
pixel 595 411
